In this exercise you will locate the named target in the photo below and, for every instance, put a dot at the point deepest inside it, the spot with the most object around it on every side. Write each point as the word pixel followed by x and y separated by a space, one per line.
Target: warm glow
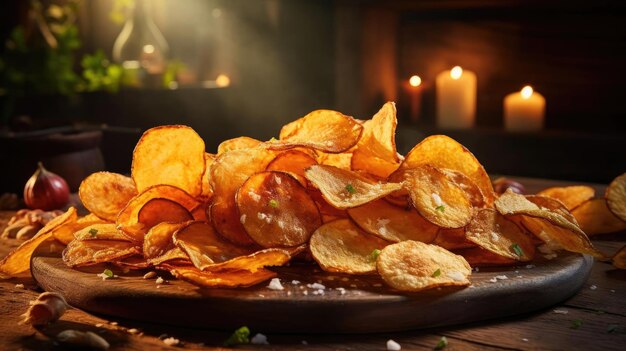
pixel 415 81
pixel 222 80
pixel 456 72
pixel 148 49
pixel 527 92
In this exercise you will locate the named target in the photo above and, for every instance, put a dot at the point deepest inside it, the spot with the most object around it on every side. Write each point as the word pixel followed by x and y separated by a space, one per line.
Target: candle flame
pixel 415 81
pixel 456 72
pixel 222 80
pixel 527 92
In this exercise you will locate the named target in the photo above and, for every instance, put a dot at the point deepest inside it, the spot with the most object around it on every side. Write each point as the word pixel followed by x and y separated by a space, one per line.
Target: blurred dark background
pixel 284 58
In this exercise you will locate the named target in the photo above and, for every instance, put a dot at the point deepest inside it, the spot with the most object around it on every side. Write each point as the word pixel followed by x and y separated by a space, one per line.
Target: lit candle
pixel 456 98
pixel 524 110
pixel 415 93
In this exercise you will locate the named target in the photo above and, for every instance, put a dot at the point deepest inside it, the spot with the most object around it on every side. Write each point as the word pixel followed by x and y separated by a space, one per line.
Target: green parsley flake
pixel 576 323
pixel 374 255
pixel 440 208
pixel 108 273
pixel 240 336
pixel 612 328
pixel 517 249
pixel 443 342
pixel 436 273
pixel 350 189
pixel 273 203
pixel 93 232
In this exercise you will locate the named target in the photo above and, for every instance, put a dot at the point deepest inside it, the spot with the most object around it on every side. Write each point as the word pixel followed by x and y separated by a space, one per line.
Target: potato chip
pixel 594 217
pixel 128 219
pixel 325 130
pixel 200 213
pixel 221 279
pixel 474 194
pixel 342 247
pixel 65 233
pixel 254 261
pixel 105 194
pixel 276 210
pixel 493 232
pixel 204 246
pixel 159 239
pixel 229 171
pixel 101 231
pixel 242 142
pixel 174 256
pixel 375 153
pixel 441 201
pixel 552 204
pixel 207 190
pixel 341 160
pixel 570 196
pixel 18 260
pixel 134 262
pixel 326 210
pixel 551 227
pixel 159 210
pixel 453 239
pixel 619 259
pixel 444 152
pixel 479 257
pixel 415 266
pixel 345 189
pixel 294 162
pixel 90 252
pixel 616 196
pixel 393 223
pixel 169 155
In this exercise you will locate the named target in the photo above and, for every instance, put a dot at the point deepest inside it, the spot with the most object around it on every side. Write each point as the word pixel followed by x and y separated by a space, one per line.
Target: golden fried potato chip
pixel 570 196
pixel 444 152
pixel 128 220
pixel 474 194
pixel 134 262
pixel 325 130
pixel 207 190
pixel 276 210
pixel 159 210
pixel 204 246
pixel 479 257
pixel 393 223
pixel 594 217
pixel 342 247
pixel 415 266
pixel 18 260
pixel 255 261
pixel 493 232
pixel 229 171
pixel 453 239
pixel 174 256
pixel 437 198
pixel 294 162
pixel 341 160
pixel 616 196
pixel 90 252
pixel 619 259
pixel 375 153
pixel 105 194
pixel 100 231
pixel 551 227
pixel 345 189
pixel 552 204
pixel 221 279
pixel 65 233
pixel 159 239
pixel 242 142
pixel 327 210
pixel 200 213
pixel 169 155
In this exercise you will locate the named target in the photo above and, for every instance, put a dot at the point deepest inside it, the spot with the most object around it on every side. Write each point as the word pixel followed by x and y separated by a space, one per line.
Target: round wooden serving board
pixel 366 304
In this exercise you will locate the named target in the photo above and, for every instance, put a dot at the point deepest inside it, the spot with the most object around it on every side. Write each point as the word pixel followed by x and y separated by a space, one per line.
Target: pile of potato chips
pixel 332 189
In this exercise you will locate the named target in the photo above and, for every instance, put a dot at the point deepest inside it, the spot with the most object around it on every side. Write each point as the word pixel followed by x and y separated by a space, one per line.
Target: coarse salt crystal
pixel 295 282
pixel 530 266
pixel 133 331
pixel 99 325
pixel 557 311
pixel 259 339
pixel 524 340
pixel 612 290
pixel 493 280
pixel 242 219
pixel 171 341
pixel 277 179
pixel 316 286
pixel 305 292
pixel 342 291
pixel 159 280
pixel 501 277
pixel 436 199
pixel 256 197
pixel 593 287
pixel 288 293
pixel 19 286
pixel 456 276
pixel 393 346
pixel 264 217
pixel 304 342
pixel 318 292
pixel 494 236
pixel 275 284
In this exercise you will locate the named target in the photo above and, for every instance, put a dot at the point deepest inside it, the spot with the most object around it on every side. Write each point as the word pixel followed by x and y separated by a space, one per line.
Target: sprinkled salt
pixel 501 277
pixel 171 341
pixel 305 292
pixel 277 179
pixel 393 346
pixel 256 197
pixel 494 236
pixel 493 280
pixel 436 199
pixel 259 339
pixel 530 266
pixel 19 286
pixel 295 282
pixel 264 217
pixel 593 287
pixel 242 219
pixel 557 311
pixel 525 340
pixel 342 291
pixel 159 280
pixel 316 286
pixel 456 276
pixel 275 284
pixel 318 292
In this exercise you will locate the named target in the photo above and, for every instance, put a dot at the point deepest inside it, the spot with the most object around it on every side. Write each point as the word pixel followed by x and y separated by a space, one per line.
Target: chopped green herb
pixel 240 336
pixel 374 255
pixel 576 323
pixel 612 328
pixel 440 208
pixel 350 189
pixel 436 273
pixel 517 249
pixel 108 273
pixel 93 232
pixel 273 203
pixel 443 342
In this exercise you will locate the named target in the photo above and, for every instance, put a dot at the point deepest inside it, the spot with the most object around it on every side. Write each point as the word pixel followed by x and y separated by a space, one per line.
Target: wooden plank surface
pixel 598 309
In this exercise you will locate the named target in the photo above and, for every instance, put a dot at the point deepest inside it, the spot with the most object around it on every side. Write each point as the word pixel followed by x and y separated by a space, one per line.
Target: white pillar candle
pixel 456 98
pixel 524 111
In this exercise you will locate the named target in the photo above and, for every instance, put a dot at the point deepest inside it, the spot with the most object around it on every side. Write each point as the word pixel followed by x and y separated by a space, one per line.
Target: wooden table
pixel 600 305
